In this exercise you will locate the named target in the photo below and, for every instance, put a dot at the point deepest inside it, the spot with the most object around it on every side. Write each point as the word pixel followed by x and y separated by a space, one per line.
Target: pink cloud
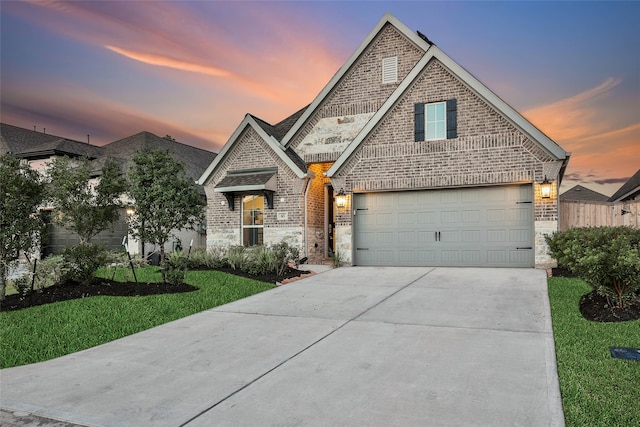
pixel 586 125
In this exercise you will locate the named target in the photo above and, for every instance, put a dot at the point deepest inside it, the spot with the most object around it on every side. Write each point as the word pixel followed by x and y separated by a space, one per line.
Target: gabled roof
pixel 266 132
pixel 480 89
pixel 628 190
pixel 386 19
pixel 195 160
pixel 580 193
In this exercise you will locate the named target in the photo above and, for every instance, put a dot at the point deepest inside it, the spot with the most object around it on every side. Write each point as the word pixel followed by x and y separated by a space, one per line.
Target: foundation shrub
pixel 607 258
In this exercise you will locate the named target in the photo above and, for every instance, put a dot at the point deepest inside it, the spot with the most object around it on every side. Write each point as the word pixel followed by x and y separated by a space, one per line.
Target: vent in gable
pixel 390 69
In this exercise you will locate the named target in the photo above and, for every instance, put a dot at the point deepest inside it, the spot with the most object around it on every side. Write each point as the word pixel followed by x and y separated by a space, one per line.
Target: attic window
pixel 390 69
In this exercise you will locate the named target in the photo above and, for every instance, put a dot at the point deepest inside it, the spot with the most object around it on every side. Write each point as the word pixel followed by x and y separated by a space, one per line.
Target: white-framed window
pixel 436 121
pixel 252 220
pixel 390 69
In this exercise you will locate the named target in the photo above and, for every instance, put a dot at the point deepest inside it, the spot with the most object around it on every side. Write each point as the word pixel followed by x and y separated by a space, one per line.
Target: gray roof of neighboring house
pixel 29 143
pixel 195 160
pixel 580 193
pixel 629 189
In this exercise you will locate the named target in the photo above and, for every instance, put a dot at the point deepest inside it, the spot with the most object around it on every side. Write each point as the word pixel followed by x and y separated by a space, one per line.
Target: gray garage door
pixel 482 226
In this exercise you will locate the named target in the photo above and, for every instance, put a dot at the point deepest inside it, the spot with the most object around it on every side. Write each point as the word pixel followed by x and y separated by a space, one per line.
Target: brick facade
pixel 488 150
pixel 223 225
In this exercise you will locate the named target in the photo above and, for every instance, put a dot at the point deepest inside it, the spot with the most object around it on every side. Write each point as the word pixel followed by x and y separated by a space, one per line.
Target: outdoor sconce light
pixel 131 211
pixel 341 199
pixel 545 188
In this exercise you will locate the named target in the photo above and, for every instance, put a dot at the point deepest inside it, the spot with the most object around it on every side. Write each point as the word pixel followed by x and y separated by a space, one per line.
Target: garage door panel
pixel 455 227
pixel 384 238
pixel 519 236
pixel 449 216
pixel 426 217
pixel 471 216
pixel 427 236
pixel 520 214
pixel 407 237
pixel 384 218
pixel 471 256
pixel 471 236
pixel 497 257
pixel 406 218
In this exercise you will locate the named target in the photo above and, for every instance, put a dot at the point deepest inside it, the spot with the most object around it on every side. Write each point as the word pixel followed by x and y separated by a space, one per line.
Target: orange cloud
pixel 164 61
pixel 604 150
pixel 573 117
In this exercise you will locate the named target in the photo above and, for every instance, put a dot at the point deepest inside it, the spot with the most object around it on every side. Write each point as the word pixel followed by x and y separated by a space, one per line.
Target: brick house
pixel 404 158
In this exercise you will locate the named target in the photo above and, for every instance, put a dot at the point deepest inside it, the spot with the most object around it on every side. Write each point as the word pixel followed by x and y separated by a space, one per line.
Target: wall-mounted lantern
pixel 545 188
pixel 131 211
pixel 341 199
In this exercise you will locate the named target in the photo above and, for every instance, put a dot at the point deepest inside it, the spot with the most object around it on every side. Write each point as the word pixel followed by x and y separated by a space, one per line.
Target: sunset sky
pixel 193 69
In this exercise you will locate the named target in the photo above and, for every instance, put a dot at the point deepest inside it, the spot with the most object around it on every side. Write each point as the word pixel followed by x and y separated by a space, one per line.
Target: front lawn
pixel 597 390
pixel 44 332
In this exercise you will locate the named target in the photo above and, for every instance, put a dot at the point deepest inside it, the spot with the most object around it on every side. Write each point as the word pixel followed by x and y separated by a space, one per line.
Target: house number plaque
pixel 283 216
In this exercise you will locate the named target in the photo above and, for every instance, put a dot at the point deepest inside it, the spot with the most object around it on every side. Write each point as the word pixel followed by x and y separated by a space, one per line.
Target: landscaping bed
pixel 73 290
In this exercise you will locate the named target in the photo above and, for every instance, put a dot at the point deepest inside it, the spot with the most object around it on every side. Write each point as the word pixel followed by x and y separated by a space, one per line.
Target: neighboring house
pixel 580 193
pixel 404 158
pixel 630 190
pixel 39 149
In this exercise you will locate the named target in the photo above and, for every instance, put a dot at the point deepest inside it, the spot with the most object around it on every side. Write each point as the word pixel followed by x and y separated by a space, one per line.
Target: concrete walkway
pixel 355 346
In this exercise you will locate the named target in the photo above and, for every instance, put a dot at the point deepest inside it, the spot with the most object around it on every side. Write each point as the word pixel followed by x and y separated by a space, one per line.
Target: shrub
pixel 50 271
pixel 22 284
pixel 260 260
pixel 177 259
pixel 607 258
pixel 237 257
pixel 175 276
pixel 284 255
pixel 83 261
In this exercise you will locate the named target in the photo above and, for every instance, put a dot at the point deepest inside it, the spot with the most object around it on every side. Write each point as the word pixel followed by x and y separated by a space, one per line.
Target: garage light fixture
pixel 341 199
pixel 131 211
pixel 545 188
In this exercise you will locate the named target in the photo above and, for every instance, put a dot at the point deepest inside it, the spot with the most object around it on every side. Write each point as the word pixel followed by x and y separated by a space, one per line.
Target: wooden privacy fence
pixel 597 214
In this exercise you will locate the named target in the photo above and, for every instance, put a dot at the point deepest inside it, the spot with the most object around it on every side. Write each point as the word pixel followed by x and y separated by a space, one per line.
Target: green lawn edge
pixel 45 332
pixel 597 390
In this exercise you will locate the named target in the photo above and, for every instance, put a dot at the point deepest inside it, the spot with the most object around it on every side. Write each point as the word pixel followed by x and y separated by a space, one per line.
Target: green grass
pixel 44 332
pixel 597 390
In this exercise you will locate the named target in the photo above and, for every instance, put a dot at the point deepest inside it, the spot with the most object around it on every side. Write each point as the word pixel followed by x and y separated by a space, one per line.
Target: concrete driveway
pixel 357 346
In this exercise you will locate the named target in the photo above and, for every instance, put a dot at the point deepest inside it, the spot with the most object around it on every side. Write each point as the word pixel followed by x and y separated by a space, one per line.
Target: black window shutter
pixel 452 119
pixel 419 122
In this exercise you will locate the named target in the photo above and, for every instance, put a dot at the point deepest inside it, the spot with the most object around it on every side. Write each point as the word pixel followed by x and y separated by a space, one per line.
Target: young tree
pixel 21 192
pixel 165 198
pixel 82 207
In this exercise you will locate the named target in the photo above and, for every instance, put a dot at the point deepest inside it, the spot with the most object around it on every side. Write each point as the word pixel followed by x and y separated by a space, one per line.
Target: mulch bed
pixel 73 290
pixel 596 308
